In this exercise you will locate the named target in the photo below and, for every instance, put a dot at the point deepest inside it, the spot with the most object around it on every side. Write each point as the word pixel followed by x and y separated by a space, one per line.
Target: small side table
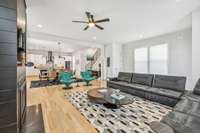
pixel 77 81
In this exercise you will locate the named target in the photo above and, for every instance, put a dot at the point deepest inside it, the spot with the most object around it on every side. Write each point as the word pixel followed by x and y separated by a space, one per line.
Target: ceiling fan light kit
pixel 91 22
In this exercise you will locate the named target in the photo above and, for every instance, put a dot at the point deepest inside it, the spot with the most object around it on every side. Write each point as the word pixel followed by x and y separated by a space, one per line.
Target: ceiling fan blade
pixel 101 28
pixel 79 21
pixel 102 20
pixel 92 17
pixel 88 14
pixel 86 28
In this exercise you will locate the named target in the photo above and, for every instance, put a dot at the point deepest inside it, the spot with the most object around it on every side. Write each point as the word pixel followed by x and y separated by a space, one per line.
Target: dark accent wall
pixel 8 67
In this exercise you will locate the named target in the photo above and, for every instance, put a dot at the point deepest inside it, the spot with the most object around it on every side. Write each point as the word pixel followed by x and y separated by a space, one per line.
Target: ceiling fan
pixel 91 22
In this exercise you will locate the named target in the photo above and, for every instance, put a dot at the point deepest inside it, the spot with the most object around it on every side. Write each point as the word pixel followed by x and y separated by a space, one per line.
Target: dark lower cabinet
pixel 7 95
pixel 12 65
pixel 21 95
pixel 11 128
pixel 7 108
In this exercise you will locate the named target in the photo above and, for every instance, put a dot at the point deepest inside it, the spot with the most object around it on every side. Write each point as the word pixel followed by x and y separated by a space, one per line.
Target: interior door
pixel 68 65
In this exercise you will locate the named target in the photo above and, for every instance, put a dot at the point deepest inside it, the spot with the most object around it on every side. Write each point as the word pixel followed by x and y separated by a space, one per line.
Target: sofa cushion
pixel 161 99
pixel 192 122
pixel 189 107
pixel 137 89
pixel 197 88
pixel 133 86
pixel 134 89
pixel 184 129
pixel 138 86
pixel 165 92
pixel 119 83
pixel 123 76
pixel 144 79
pixel 192 97
pixel 177 120
pixel 170 82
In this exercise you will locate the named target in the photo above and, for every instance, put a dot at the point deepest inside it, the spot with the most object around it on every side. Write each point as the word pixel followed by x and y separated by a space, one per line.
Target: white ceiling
pixel 48 42
pixel 130 19
pixel 47 45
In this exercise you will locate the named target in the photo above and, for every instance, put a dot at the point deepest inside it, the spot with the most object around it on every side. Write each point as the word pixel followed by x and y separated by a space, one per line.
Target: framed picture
pixel 108 61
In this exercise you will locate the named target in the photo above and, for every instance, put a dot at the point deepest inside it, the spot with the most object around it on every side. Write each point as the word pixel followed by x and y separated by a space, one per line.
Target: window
pixel 141 60
pixel 153 59
pixel 159 59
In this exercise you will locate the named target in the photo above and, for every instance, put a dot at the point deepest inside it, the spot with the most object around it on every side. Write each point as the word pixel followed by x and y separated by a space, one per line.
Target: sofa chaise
pixel 185 117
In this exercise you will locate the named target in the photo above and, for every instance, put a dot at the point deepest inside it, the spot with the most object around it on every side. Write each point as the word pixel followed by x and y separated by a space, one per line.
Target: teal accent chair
pixel 66 79
pixel 87 77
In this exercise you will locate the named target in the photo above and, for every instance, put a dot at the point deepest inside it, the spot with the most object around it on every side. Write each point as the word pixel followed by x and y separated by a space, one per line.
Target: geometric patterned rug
pixel 132 118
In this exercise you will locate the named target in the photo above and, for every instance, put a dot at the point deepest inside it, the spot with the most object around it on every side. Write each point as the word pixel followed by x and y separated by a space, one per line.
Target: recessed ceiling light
pixel 141 36
pixel 39 26
pixel 94 38
pixel 178 0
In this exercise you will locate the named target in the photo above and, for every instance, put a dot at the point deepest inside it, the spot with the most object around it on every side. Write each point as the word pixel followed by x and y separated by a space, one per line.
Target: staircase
pixel 96 56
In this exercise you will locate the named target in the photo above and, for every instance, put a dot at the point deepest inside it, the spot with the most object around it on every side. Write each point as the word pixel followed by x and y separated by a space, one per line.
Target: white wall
pixel 195 45
pixel 96 65
pixel 180 53
pixel 114 51
pixel 108 53
pixel 117 59
pixel 79 58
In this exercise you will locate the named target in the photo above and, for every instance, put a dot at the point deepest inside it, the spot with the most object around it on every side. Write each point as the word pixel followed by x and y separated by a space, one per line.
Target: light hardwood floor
pixel 58 114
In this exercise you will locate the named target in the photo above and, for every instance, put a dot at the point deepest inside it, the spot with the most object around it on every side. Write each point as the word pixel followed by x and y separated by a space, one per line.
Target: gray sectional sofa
pixel 185 117
pixel 159 88
pixel 168 90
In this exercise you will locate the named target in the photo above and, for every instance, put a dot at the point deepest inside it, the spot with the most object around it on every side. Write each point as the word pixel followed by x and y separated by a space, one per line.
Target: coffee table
pixel 95 96
pixel 105 98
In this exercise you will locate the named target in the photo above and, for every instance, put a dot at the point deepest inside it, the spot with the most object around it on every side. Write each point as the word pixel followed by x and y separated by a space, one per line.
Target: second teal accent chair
pixel 87 77
pixel 66 79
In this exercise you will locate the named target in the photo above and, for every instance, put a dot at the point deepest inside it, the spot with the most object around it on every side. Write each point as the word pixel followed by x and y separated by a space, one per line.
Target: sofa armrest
pixel 160 127
pixel 113 79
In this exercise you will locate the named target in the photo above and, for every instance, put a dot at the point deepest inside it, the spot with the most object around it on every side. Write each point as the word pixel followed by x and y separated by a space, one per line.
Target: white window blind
pixel 141 60
pixel 159 59
pixel 153 59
